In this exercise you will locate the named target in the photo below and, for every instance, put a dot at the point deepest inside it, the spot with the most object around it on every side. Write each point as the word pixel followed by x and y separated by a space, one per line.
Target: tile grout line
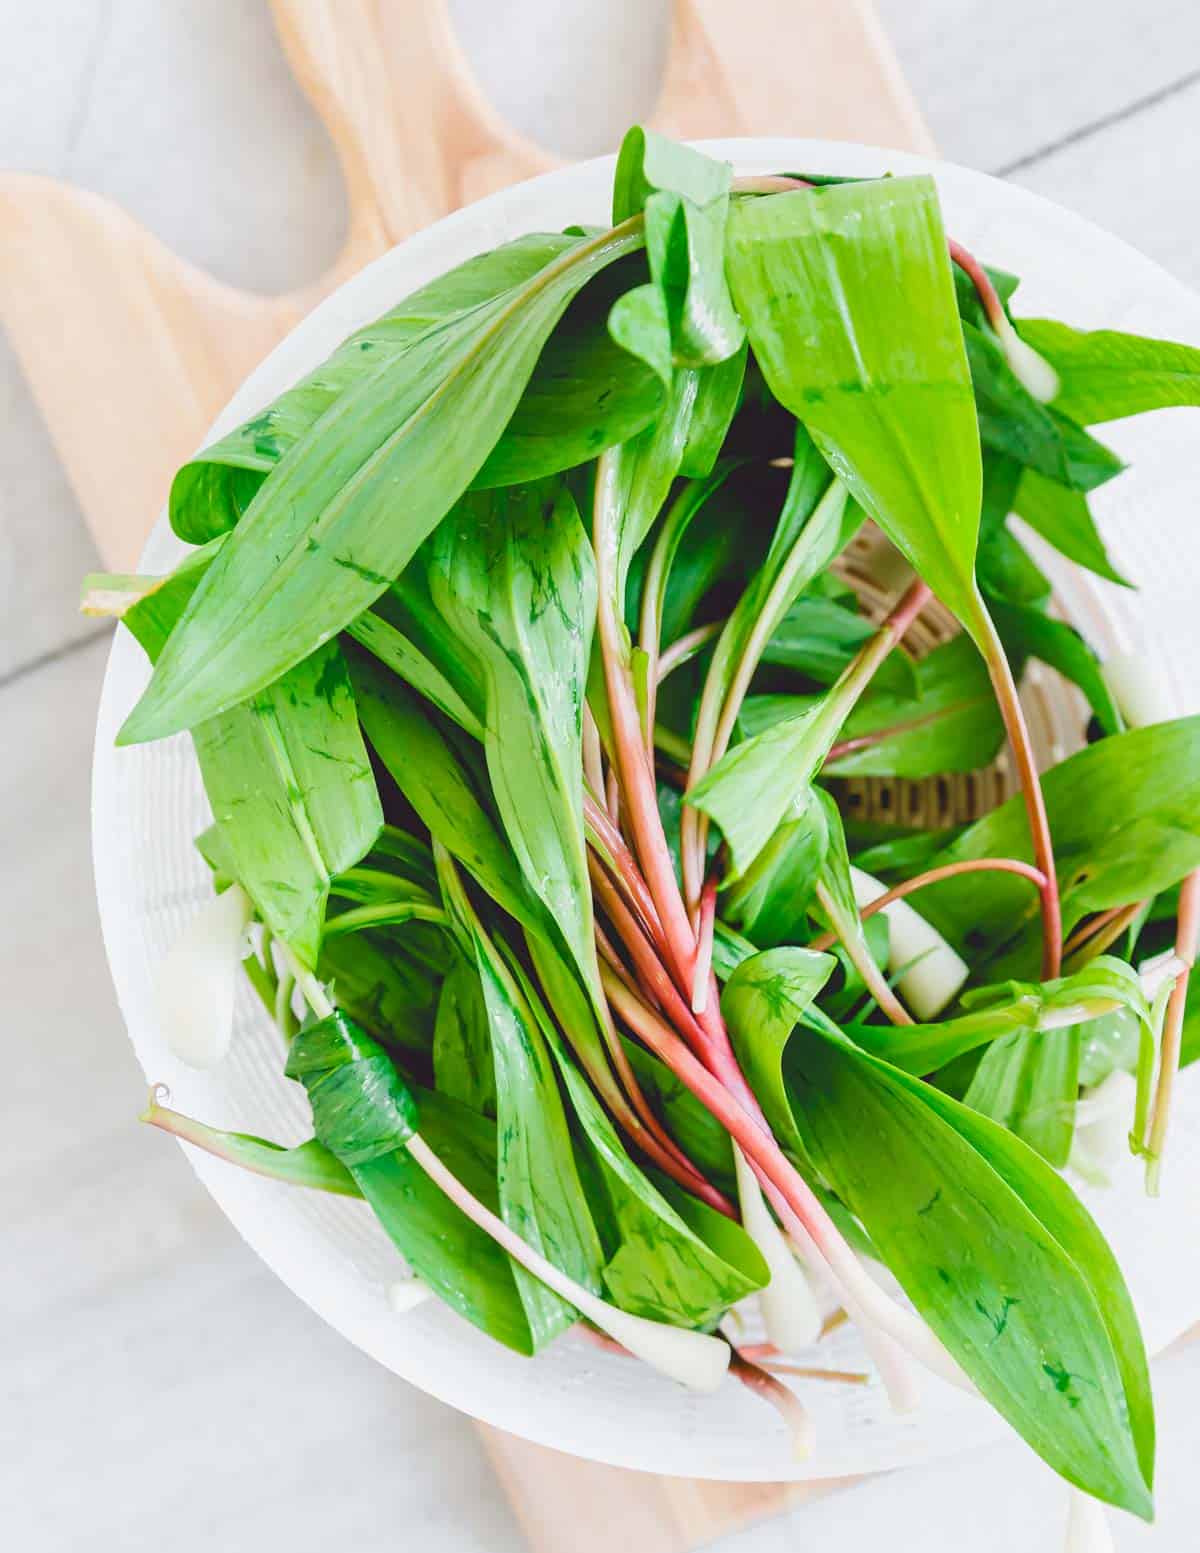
pixel 1095 126
pixel 55 654
pixel 87 87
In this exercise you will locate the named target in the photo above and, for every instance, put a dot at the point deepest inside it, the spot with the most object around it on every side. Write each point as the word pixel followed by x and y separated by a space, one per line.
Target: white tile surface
pixel 157 1383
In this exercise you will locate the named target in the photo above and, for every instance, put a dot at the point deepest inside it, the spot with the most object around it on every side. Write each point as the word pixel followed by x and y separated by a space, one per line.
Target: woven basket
pixel 1054 709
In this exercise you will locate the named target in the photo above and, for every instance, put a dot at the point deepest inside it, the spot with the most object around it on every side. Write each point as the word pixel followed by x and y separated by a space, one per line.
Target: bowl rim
pixel 309 342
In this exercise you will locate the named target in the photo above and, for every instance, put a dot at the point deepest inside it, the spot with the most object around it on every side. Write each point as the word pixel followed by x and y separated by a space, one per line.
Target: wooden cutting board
pixel 132 352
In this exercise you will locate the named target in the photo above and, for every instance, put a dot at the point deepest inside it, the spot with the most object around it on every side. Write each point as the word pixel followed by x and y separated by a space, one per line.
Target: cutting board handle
pixel 131 351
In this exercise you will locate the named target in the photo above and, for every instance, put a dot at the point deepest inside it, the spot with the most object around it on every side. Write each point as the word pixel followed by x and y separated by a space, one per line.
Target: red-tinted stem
pixel 702 974
pixel 627 873
pixel 978 865
pixel 1005 689
pixel 785 1402
pixel 974 271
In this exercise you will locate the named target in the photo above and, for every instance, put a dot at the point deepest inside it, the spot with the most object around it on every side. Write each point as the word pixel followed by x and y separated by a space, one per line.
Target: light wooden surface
pixel 131 351
pixel 148 1359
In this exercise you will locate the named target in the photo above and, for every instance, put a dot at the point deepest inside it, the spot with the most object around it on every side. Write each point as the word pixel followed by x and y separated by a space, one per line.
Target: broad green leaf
pixel 750 791
pixel 673 1264
pixel 1027 633
pixel 884 389
pixel 512 573
pixel 1106 375
pixel 770 900
pixel 383 986
pixel 1060 1211
pixel 585 392
pixel 436 783
pixel 951 723
pixel 395 650
pixel 819 636
pixel 1123 814
pixel 211 492
pixel 1029 1083
pixel 997 1255
pixel 684 196
pixel 462 1043
pixel 1063 519
pixel 718 394
pixel 1013 422
pixel 363 1112
pixel 762 1003
pixel 286 773
pixel 540 1194
pixel 325 536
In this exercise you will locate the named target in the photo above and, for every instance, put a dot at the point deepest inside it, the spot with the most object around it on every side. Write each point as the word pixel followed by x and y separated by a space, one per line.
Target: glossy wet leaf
pixel 950 724
pixel 512 573
pixel 540 1194
pixel 1105 375
pixel 997 1255
pixel 286 773
pixel 885 390
pixel 462 1044
pixel 676 1260
pixel 1063 519
pixel 684 197
pixel 439 787
pixel 324 537
pixel 1038 436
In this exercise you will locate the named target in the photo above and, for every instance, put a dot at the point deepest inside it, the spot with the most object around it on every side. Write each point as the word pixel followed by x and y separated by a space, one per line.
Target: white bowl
pixel 148 804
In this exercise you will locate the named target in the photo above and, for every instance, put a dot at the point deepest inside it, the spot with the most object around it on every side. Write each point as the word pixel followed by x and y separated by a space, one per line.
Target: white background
pixel 156 1383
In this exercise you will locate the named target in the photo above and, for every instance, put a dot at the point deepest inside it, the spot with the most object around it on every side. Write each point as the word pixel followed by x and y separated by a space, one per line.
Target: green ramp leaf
pixel 512 573
pixel 1063 518
pixel 850 306
pixel 686 313
pixel 1105 375
pixel 327 532
pixel 950 723
pixel 286 773
pixel 997 1255
pixel 540 1194
pixel 677 1259
pixel 363 1113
